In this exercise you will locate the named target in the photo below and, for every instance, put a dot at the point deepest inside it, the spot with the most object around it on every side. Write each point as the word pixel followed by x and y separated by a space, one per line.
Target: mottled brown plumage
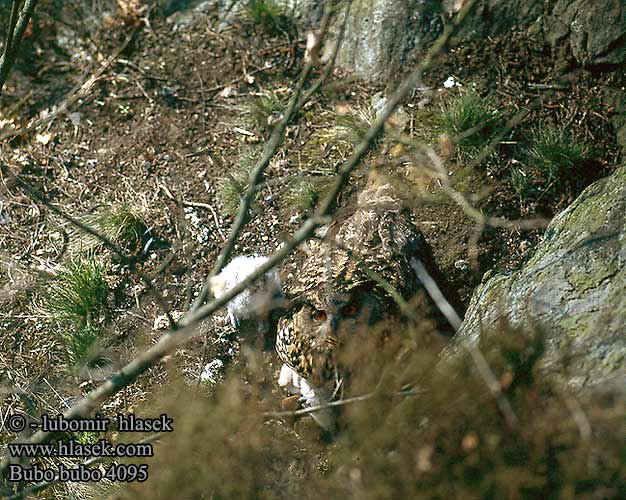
pixel 333 294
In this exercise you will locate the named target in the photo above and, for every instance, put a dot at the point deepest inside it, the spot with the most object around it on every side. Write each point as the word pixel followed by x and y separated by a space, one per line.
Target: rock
pixel 573 288
pixel 595 31
pixel 381 34
pixel 307 13
pixel 495 17
pixel 183 15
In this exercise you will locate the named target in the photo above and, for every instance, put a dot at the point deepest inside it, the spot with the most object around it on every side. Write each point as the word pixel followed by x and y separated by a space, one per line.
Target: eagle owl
pixel 333 294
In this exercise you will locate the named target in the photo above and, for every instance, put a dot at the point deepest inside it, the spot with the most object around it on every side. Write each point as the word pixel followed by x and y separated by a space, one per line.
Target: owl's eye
pixel 349 310
pixel 318 315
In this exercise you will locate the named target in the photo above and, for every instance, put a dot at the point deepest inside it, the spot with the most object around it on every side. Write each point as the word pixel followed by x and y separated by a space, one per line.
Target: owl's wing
pixel 384 239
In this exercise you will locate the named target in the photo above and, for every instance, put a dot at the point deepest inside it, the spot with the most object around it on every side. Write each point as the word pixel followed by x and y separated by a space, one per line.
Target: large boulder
pixel 573 289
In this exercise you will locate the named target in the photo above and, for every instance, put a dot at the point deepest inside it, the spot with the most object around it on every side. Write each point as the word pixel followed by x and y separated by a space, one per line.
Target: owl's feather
pixel 254 302
pixel 378 235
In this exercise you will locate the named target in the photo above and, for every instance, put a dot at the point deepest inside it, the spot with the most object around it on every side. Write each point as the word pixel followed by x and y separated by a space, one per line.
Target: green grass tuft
pixel 259 114
pixel 268 14
pixel 82 343
pixel 470 120
pixel 305 192
pixel 550 158
pixel 230 189
pixel 88 437
pixel 76 301
pixel 349 128
pixel 79 292
pixel 553 151
pixel 122 224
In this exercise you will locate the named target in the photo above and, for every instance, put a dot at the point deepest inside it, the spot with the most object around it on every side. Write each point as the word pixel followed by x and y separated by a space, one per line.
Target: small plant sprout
pixel 262 113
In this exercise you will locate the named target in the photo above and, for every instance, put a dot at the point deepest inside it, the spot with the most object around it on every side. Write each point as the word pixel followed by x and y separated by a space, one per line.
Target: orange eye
pixel 319 315
pixel 349 310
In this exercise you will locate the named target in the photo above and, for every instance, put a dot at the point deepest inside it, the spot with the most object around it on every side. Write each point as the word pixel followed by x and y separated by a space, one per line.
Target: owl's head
pixel 321 322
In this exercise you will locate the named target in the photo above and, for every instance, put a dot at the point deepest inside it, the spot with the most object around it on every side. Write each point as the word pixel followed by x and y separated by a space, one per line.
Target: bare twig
pixel 15 32
pixel 213 212
pixel 341 402
pixel 269 151
pixel 580 418
pixel 478 359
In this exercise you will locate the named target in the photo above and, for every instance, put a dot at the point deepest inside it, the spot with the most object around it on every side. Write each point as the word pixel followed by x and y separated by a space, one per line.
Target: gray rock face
pixel 494 17
pixel 381 34
pixel 573 288
pixel 595 31
pixel 306 12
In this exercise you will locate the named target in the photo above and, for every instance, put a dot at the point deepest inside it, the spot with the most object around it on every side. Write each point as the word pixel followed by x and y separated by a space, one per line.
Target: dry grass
pixel 447 442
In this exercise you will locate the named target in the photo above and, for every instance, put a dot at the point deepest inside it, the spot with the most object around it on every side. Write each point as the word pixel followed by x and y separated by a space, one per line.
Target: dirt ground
pixel 162 125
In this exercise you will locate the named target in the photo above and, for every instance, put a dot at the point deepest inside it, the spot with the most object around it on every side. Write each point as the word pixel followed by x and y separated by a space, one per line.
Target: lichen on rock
pixel 573 288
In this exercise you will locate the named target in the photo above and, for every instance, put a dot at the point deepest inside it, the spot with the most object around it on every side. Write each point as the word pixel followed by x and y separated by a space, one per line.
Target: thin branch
pixel 14 37
pixel 484 370
pixel 8 40
pixel 341 402
pixel 269 151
